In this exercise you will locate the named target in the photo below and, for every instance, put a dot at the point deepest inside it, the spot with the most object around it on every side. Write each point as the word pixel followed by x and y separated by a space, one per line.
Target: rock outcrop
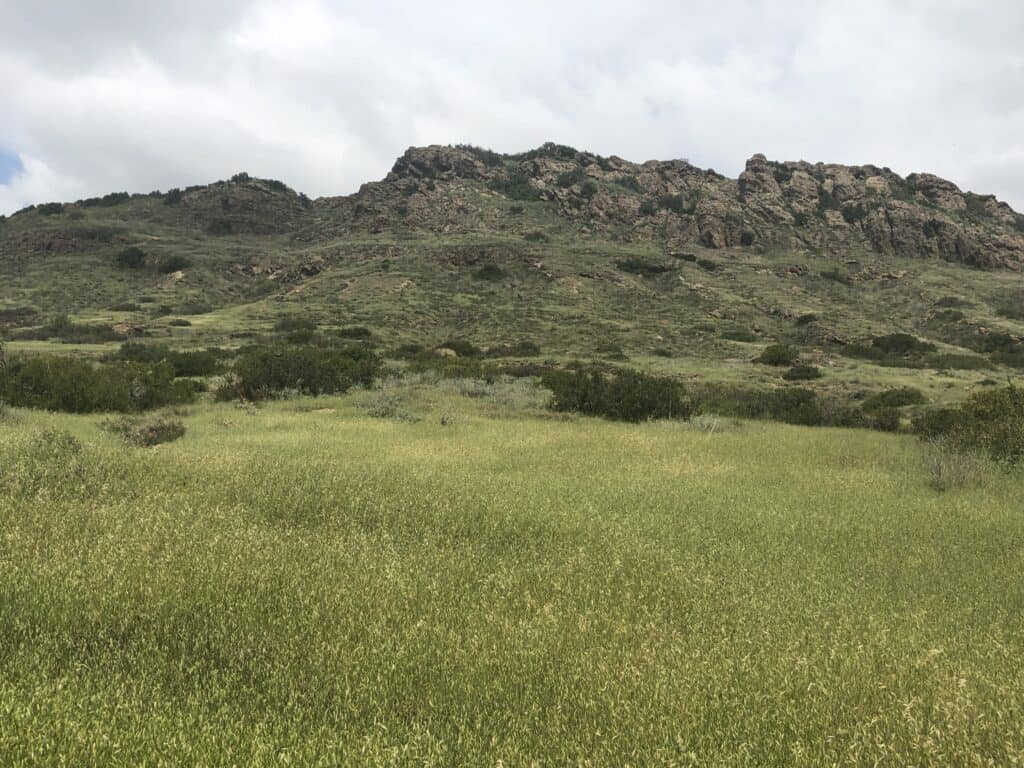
pixel 790 203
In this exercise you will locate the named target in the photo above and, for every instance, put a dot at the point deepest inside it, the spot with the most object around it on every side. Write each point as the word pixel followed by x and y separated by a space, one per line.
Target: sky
pixel 121 95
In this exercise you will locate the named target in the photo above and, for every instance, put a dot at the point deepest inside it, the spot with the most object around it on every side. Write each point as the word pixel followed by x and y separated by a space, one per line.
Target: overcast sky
pixel 111 95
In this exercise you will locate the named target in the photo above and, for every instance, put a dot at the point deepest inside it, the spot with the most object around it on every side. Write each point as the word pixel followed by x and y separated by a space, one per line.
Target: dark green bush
pixel 894 398
pixel 131 257
pixel 886 419
pixel 195 362
pixel 535 236
pixel 173 196
pixel 779 355
pixel 490 272
pixel 50 209
pixel 802 373
pixel 624 396
pixel 806 319
pixel 179 323
pixel 515 186
pixel 355 332
pixel 264 371
pixel 461 347
pixel 292 323
pixel 991 422
pixel 78 386
pixel 169 264
pixel 637 266
pixel 674 203
pixel 648 207
pixel 569 178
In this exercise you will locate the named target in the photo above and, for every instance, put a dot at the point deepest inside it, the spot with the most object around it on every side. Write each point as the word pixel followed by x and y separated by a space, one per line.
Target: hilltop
pixel 672 266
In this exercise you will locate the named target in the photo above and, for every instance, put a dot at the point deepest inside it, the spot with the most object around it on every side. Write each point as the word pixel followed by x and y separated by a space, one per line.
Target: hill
pixel 868 274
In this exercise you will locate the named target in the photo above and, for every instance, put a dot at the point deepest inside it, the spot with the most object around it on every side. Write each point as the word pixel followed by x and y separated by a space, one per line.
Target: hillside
pixel 671 266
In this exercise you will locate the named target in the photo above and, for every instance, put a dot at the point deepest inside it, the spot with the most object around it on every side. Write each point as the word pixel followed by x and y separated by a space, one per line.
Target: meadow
pixel 445 576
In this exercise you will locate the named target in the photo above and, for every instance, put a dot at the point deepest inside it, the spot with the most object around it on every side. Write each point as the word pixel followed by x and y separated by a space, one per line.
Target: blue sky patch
pixel 10 165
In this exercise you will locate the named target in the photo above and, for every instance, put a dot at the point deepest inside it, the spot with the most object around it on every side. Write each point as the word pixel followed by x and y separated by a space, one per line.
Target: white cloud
pixel 323 94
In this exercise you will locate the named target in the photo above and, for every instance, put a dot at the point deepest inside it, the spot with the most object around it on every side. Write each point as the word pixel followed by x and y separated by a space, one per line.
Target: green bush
pixel 131 257
pixel 637 266
pixel 624 396
pixel 265 371
pixel 569 178
pixel 894 398
pixel 648 207
pixel 77 386
pixel 802 373
pixel 778 355
pixel 169 264
pixel 990 422
pixel 355 332
pixel 145 433
pixel 490 272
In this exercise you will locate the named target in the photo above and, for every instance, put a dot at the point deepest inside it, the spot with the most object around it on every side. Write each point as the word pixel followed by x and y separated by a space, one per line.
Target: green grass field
pixel 304 584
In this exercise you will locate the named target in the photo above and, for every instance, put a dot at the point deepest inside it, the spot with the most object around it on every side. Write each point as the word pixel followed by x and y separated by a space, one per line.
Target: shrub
pixel 707 265
pixel 569 178
pixel 535 236
pixel 901 345
pixel 674 203
pixel 648 207
pixel 179 323
pixel 355 332
pixel 386 404
pixel 778 355
pixel 636 266
pixel 490 273
pixel 169 264
pixel 991 422
pixel 131 257
pixel 624 396
pixel 76 386
pixel 802 373
pixel 739 334
pixel 145 433
pixel 461 347
pixel 894 398
pixel 173 196
pixel 50 209
pixel 806 319
pixel 125 306
pixel 517 185
pixel 265 371
pixel 884 419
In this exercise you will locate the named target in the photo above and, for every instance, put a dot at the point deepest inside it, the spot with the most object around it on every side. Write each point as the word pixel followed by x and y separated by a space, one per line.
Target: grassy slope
pixel 301 586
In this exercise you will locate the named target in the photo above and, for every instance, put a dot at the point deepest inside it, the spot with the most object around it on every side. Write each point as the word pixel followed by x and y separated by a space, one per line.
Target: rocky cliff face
pixel 790 204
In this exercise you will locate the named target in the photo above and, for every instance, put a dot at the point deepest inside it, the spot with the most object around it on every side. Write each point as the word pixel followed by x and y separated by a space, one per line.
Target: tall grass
pixel 327 588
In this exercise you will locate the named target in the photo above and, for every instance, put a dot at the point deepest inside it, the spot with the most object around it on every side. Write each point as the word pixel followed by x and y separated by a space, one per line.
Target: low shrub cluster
pixel 196 362
pixel 802 373
pixel 262 372
pixel 78 386
pixel 637 266
pixel 990 422
pixel 778 355
pixel 622 396
pixel 145 433
pixel 69 332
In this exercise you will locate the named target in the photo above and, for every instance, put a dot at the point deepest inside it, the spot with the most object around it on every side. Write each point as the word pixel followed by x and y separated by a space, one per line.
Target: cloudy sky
pixel 112 95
